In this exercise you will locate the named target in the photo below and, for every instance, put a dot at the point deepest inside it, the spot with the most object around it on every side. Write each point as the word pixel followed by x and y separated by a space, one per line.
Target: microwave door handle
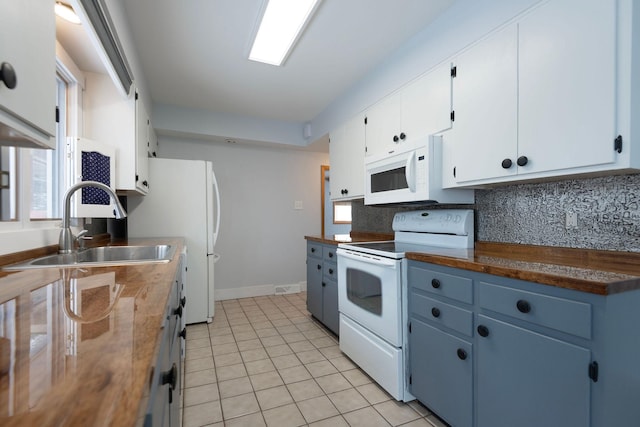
pixel 410 172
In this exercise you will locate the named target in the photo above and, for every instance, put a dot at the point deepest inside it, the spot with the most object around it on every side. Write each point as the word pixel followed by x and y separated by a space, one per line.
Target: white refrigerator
pixel 183 200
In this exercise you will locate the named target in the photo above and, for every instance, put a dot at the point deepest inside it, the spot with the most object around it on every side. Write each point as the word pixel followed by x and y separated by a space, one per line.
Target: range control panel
pixel 442 221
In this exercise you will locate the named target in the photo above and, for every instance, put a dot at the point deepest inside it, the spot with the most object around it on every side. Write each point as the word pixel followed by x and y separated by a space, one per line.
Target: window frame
pixel 341 203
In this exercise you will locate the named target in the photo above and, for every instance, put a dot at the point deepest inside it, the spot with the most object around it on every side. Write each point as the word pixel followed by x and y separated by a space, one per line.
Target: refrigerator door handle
pixel 217 191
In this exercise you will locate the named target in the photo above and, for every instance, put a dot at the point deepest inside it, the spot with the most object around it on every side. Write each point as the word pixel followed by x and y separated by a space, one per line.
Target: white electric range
pixel 372 290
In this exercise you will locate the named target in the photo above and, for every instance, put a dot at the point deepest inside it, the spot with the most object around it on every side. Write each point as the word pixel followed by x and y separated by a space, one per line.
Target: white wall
pixel 261 240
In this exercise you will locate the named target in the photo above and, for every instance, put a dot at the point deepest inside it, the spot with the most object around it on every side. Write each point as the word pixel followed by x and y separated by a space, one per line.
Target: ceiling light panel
pixel 282 24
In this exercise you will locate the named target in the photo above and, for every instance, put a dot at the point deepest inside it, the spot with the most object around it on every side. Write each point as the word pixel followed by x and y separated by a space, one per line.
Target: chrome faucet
pixel 66 240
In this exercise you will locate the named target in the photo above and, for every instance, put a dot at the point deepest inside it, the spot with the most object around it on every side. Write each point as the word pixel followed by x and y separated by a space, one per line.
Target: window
pixel 8 184
pixel 47 166
pixel 342 212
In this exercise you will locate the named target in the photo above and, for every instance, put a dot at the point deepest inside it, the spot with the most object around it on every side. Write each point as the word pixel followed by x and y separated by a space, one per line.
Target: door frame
pixel 323 170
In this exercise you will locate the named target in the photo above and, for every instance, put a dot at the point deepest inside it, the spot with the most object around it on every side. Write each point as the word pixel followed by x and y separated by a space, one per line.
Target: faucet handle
pixel 81 238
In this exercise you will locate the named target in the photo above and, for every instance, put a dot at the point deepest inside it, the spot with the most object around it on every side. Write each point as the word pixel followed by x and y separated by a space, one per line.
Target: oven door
pixel 369 292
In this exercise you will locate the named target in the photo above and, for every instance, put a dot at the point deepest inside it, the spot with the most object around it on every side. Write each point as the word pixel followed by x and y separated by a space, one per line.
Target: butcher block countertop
pixel 78 346
pixel 594 271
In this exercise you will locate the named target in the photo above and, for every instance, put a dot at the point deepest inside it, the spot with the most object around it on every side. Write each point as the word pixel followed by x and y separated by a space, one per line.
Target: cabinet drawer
pixel 314 249
pixel 330 271
pixel 329 253
pixel 561 314
pixel 455 287
pixel 448 315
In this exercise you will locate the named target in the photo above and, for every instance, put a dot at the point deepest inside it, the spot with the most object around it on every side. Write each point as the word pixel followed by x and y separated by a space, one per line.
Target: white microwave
pixel 410 172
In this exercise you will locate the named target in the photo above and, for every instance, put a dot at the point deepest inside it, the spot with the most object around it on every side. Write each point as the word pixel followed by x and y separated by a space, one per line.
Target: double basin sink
pixel 102 256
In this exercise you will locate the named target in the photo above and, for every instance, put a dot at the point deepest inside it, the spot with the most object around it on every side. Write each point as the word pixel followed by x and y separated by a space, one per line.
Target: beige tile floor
pixel 266 362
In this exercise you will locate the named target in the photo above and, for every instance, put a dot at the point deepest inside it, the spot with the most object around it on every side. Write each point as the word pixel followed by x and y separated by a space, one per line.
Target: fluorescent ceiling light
pixel 281 26
pixel 66 12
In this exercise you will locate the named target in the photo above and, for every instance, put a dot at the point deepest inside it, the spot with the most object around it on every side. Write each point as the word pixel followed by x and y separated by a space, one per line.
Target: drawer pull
pixel 331 271
pixel 435 312
pixel 183 333
pixel 523 306
pixel 435 283
pixel 313 250
pixel 319 267
pixel 483 331
pixel 330 254
pixel 462 355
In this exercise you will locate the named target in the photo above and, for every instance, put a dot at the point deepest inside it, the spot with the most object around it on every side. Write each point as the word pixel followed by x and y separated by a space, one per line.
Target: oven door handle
pixel 410 172
pixel 369 259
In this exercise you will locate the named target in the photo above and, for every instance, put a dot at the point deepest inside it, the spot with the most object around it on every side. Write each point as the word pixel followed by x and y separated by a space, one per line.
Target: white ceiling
pixel 194 53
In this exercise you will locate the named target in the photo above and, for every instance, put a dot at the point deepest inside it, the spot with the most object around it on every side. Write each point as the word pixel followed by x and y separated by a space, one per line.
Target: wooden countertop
pixel 77 346
pixel 594 271
pixel 356 236
pixel 586 270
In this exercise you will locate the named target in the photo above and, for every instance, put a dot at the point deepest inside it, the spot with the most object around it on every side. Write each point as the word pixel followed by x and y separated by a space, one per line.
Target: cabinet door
pixel 484 131
pixel 27 44
pixel 330 316
pixel 314 287
pixel 526 379
pixel 442 373
pixel 426 104
pixel 383 124
pixel 567 83
pixel 346 155
pixel 142 144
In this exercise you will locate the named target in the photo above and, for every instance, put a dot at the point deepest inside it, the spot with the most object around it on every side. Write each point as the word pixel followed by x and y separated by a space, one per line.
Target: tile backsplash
pixel 607 208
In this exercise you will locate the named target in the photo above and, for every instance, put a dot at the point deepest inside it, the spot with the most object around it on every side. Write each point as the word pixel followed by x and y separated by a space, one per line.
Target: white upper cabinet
pixel 421 108
pixel 346 156
pixel 28 73
pixel 122 122
pixel 545 96
pixel 485 89
pixel 383 124
pixel 567 84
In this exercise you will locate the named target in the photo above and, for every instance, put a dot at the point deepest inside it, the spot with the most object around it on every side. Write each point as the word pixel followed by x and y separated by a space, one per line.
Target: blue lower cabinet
pixel 442 373
pixel 528 379
pixel 322 284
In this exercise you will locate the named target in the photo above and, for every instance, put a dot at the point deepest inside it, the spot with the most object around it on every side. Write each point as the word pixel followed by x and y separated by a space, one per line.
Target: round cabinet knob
pixel 403 136
pixel 330 254
pixel 324 284
pixel 319 267
pixel 313 250
pixel 435 283
pixel 483 331
pixel 506 163
pixel 435 312
pixel 183 333
pixel 523 306
pixel 395 138
pixel 331 271
pixel 8 75
pixel 522 160
pixel 462 355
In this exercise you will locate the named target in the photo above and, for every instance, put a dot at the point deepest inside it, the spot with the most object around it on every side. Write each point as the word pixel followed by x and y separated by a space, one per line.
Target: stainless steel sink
pixel 102 256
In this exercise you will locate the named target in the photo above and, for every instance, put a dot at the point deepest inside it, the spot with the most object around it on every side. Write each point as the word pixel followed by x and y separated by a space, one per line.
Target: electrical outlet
pixel 571 220
pixel 297 205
